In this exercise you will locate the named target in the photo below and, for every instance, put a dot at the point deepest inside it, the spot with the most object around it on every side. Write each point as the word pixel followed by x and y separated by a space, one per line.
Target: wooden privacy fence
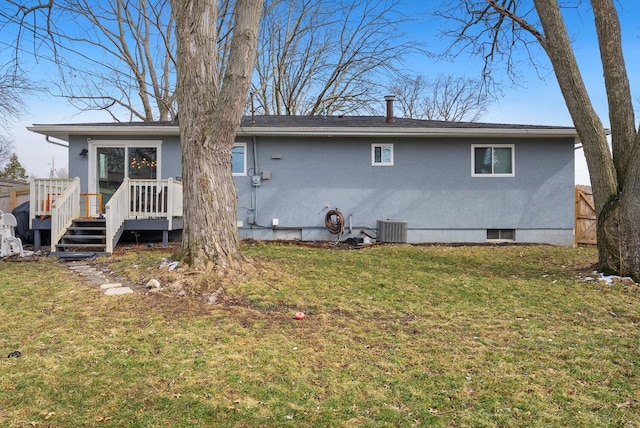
pixel 11 199
pixel 585 233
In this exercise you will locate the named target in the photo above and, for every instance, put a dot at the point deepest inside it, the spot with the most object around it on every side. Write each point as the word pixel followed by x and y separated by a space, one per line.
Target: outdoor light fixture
pixel 84 153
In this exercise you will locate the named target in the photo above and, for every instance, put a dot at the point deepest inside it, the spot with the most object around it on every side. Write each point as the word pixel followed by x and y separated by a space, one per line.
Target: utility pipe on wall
pixel 255 188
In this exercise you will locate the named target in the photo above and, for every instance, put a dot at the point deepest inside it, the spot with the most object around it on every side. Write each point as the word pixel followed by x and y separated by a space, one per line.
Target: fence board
pixel 10 200
pixel 585 212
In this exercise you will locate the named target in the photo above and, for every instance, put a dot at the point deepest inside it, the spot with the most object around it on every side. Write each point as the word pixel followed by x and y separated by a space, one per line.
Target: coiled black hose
pixel 334 220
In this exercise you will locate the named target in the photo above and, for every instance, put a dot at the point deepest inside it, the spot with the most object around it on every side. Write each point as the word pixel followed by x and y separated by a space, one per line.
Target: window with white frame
pixel 492 160
pixel 239 159
pixel 382 154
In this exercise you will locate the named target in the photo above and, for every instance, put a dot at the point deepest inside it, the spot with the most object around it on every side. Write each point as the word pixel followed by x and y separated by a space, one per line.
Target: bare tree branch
pixel 321 58
pixel 491 29
pixel 446 97
pixel 123 48
pixel 6 149
pixel 316 56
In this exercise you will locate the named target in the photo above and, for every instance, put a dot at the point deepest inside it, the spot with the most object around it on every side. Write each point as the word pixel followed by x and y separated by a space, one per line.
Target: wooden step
pixel 77 245
pixel 87 228
pixel 89 223
pixel 98 238
pixel 84 236
pixel 88 255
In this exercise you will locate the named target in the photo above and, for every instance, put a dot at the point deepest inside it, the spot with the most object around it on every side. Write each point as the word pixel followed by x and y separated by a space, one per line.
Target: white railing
pixel 134 199
pixel 148 198
pixel 142 199
pixel 174 202
pixel 64 209
pixel 42 193
pixel 116 212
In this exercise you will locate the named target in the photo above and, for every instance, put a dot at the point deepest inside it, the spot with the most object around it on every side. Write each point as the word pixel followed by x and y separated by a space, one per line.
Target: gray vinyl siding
pixel 78 165
pixel 430 186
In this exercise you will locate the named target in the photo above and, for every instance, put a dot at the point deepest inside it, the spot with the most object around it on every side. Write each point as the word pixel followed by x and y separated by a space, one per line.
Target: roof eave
pixel 406 132
pixel 64 132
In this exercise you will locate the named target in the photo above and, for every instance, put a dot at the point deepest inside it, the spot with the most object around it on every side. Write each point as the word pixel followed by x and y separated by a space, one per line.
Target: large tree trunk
pixel 619 226
pixel 616 185
pixel 209 115
pixel 619 253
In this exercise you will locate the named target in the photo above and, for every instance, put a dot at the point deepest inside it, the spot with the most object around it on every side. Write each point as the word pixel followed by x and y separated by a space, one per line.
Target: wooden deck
pixel 58 210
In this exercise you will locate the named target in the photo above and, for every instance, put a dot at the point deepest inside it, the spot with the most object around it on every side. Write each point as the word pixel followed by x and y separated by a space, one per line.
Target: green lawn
pixel 394 336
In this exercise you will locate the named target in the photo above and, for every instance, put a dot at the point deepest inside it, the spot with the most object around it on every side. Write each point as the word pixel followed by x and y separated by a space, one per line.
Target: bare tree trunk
pixel 210 113
pixel 628 219
pixel 619 253
pixel 615 182
pixel 621 116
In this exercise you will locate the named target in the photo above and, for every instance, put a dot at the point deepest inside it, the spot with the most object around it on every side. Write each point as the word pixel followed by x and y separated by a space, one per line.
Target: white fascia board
pixel 63 132
pixel 407 132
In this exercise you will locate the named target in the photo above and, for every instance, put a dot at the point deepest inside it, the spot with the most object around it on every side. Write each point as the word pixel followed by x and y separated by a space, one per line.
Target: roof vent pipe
pixel 390 99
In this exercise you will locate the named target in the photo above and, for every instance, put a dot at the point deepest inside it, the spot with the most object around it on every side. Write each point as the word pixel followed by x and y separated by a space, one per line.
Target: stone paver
pixel 95 277
pixel 117 291
pixel 109 285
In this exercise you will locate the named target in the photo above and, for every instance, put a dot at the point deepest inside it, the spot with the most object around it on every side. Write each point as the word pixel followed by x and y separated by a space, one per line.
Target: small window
pixel 501 235
pixel 382 154
pixel 494 160
pixel 239 159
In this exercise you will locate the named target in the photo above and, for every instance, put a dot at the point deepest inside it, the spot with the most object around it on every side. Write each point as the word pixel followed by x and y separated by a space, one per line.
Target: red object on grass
pixel 299 315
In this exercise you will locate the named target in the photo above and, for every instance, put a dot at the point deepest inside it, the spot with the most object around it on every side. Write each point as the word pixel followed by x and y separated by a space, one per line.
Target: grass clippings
pixel 393 336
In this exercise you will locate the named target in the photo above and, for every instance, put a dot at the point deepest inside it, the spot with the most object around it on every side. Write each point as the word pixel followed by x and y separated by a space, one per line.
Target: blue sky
pixel 532 101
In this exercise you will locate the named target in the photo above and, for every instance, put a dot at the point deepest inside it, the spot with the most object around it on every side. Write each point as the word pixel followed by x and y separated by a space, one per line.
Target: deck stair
pixel 84 236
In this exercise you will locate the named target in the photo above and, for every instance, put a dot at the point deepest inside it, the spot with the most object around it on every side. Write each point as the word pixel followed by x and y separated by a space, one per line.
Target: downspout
pixel 47 138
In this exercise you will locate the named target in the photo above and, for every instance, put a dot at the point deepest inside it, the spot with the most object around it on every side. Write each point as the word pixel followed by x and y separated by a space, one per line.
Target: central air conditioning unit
pixel 392 231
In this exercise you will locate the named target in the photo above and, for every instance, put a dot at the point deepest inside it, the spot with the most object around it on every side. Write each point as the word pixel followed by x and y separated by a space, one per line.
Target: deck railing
pixel 64 209
pixel 134 199
pixel 42 193
pixel 116 212
pixel 142 199
pixel 174 201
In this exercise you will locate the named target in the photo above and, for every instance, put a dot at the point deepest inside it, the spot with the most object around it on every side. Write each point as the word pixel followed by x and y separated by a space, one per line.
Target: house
pixel 397 180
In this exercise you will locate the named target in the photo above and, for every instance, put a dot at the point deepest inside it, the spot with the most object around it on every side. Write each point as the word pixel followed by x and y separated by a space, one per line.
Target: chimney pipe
pixel 390 99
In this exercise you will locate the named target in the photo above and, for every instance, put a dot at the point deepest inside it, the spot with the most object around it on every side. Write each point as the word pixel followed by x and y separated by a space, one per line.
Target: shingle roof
pixel 373 122
pixel 328 122
pixel 329 126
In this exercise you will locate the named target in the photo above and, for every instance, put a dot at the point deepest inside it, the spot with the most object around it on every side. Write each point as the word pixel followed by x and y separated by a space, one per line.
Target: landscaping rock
pixel 153 283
